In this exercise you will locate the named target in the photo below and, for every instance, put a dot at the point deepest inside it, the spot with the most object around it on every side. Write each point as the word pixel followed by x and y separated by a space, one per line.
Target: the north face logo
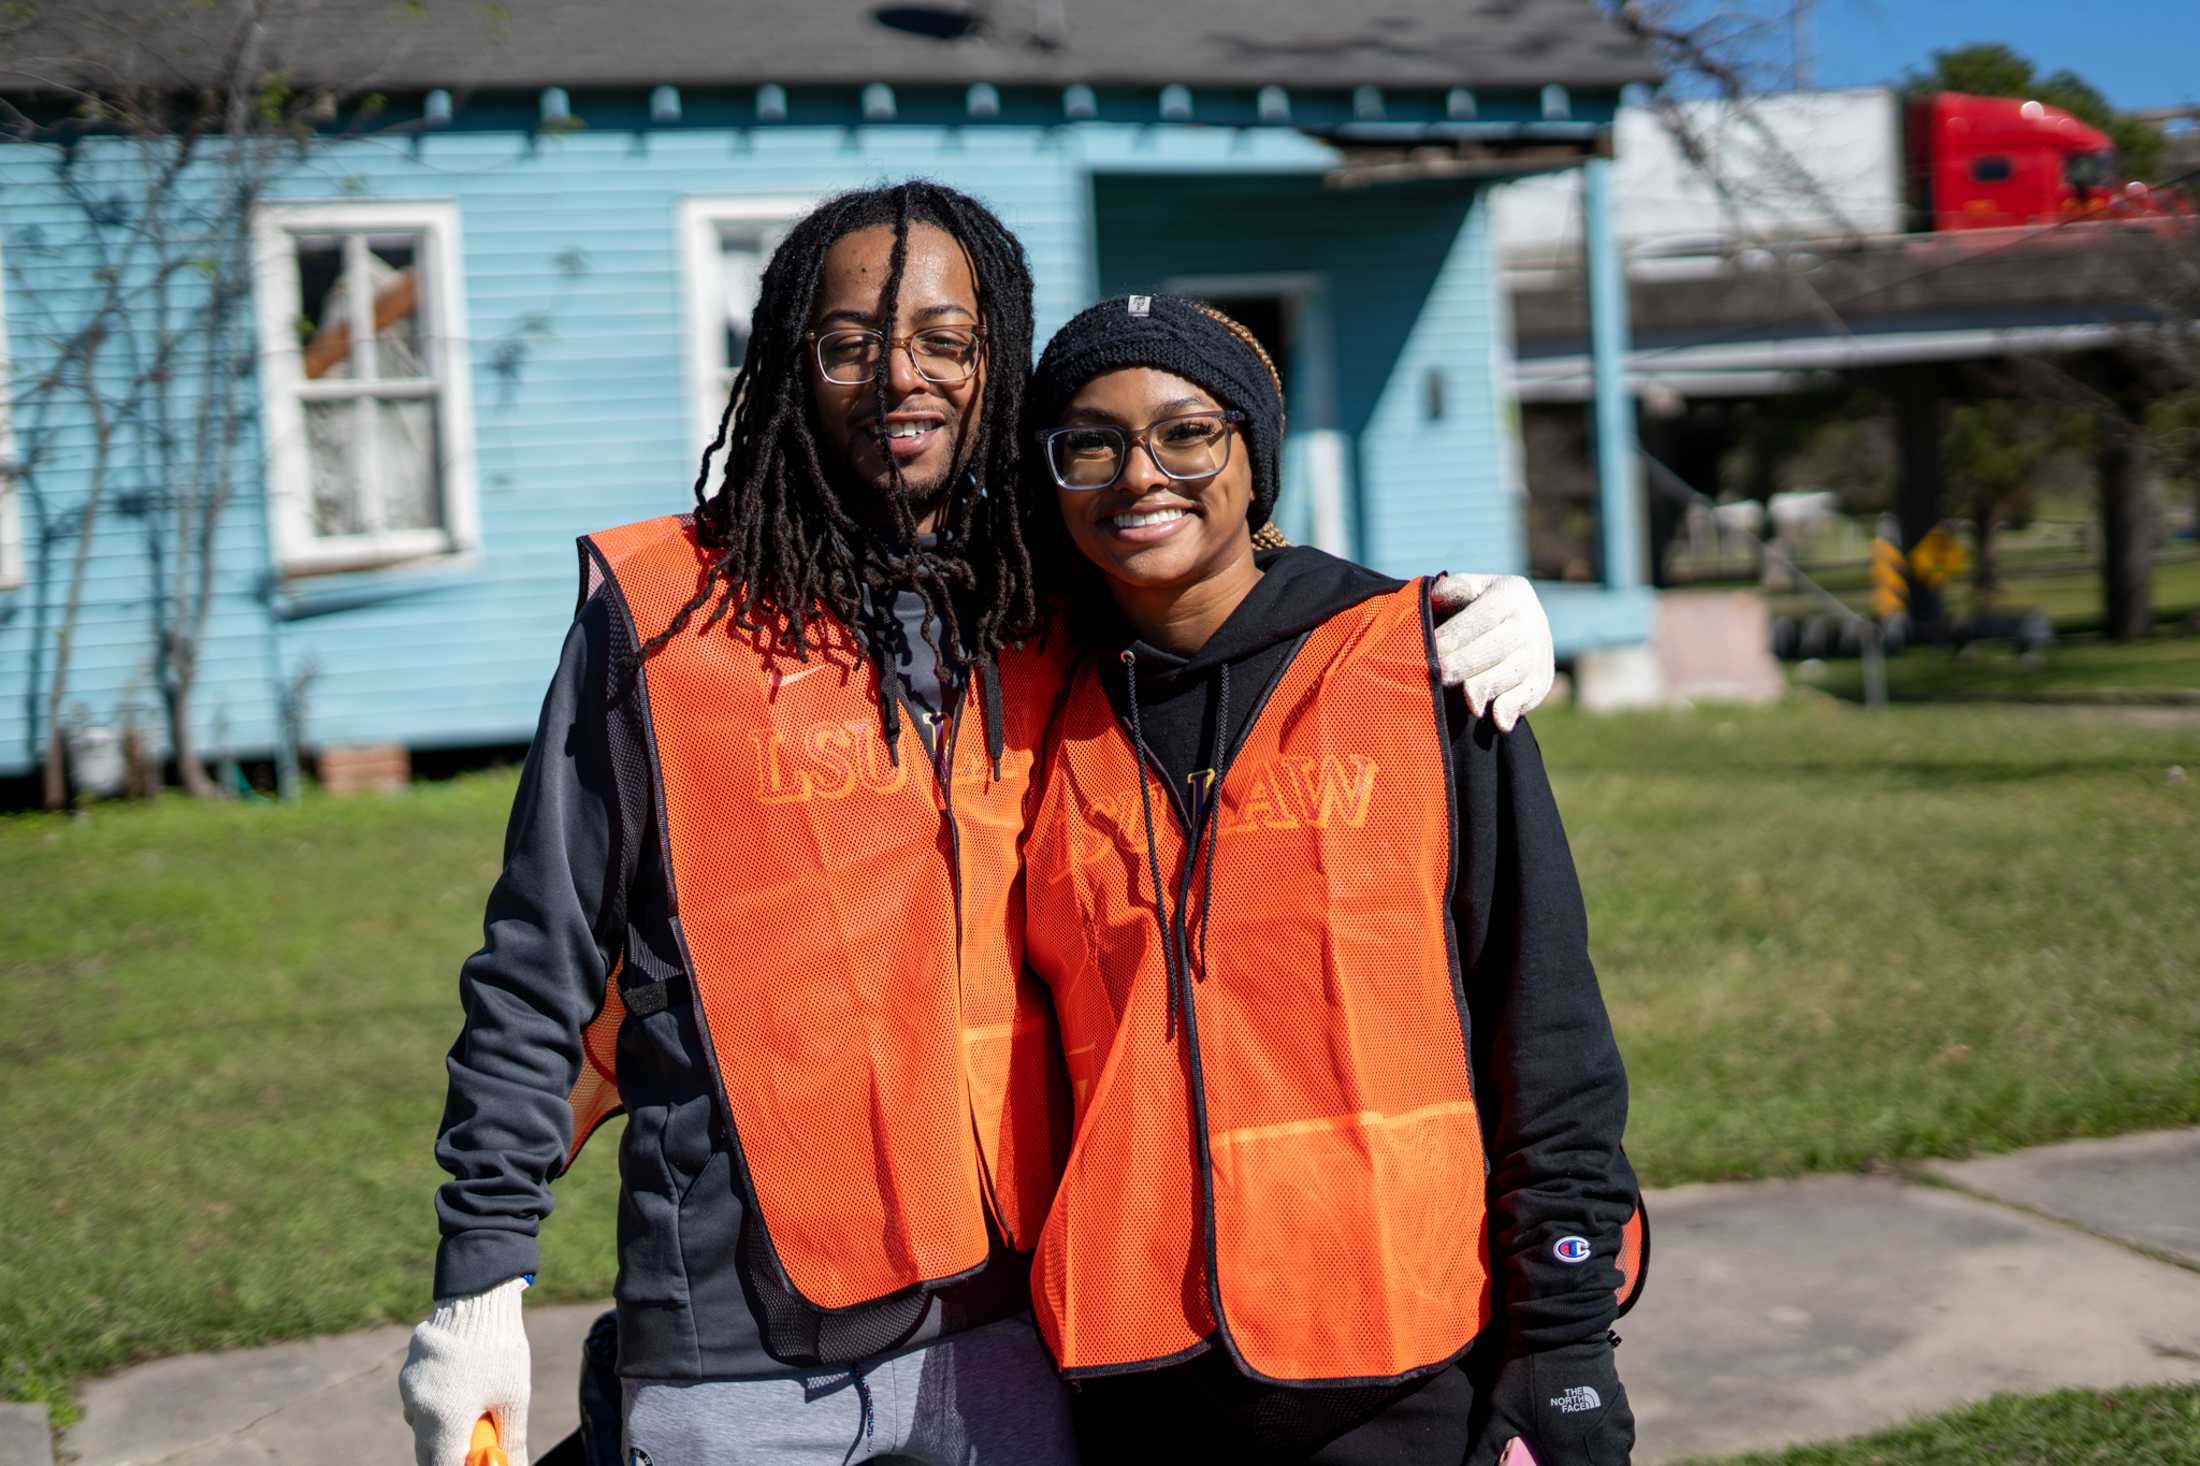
pixel 1576 1400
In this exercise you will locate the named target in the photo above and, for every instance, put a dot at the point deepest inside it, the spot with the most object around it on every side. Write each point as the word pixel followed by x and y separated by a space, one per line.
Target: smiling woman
pixel 1162 423
pixel 1320 1045
pixel 1153 496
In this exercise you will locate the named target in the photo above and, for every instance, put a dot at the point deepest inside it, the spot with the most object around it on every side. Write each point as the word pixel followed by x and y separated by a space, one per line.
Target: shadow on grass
pixel 1951 773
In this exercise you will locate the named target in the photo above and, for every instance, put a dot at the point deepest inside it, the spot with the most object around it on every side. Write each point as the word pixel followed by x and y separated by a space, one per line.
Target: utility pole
pixel 1799 31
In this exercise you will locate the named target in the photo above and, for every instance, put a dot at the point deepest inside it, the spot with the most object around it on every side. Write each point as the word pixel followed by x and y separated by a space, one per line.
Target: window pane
pixel 397 275
pixel 332 430
pixel 324 330
pixel 412 493
pixel 741 260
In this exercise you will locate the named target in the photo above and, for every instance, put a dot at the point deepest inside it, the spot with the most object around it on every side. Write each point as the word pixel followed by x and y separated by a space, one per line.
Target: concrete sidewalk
pixel 1776 1312
pixel 1784 1312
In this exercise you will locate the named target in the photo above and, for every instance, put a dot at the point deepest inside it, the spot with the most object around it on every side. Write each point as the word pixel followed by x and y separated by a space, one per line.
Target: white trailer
pixel 1805 165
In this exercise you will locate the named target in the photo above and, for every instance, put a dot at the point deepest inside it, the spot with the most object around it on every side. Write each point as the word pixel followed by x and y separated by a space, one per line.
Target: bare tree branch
pixel 1707 51
pixel 163 171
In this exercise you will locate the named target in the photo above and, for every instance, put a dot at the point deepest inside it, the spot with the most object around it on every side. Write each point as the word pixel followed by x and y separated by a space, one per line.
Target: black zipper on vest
pixel 942 764
pixel 1482 1112
pixel 1174 960
pixel 943 773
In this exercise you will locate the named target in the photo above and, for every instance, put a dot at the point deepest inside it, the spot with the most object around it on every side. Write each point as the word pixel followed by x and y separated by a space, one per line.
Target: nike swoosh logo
pixel 788 679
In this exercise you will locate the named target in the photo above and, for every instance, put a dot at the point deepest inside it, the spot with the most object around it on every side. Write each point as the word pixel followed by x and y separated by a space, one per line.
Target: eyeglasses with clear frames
pixel 945 356
pixel 1088 458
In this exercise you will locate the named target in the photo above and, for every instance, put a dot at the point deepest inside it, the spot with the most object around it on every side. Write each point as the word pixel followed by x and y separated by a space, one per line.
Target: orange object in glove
pixel 485 1449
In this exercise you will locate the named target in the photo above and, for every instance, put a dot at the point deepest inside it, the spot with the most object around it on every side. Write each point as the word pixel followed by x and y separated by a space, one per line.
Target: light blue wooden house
pixel 508 312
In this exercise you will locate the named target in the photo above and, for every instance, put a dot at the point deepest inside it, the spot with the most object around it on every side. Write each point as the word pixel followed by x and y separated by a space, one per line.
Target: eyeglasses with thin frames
pixel 1090 457
pixel 945 356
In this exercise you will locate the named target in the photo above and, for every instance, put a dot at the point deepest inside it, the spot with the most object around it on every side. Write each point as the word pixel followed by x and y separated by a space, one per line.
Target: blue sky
pixel 2142 53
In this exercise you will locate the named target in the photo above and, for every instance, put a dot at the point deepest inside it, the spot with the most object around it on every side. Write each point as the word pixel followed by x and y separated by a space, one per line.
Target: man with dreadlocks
pixel 762 891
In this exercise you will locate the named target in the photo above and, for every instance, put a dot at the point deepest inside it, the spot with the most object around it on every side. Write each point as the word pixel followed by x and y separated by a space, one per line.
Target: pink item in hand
pixel 1517 1454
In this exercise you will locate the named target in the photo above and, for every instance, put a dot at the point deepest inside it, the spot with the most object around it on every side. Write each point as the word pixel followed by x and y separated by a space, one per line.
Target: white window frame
pixel 284 388
pixel 11 498
pixel 704 222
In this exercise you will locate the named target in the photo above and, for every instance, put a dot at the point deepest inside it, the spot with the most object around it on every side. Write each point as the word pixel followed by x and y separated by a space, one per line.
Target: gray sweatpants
pixel 989 1397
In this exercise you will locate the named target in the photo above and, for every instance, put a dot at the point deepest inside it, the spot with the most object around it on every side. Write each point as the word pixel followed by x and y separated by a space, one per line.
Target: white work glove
pixel 1495 646
pixel 468 1360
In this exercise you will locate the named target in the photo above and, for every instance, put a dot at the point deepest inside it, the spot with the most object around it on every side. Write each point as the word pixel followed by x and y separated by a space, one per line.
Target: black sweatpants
pixel 1206 1411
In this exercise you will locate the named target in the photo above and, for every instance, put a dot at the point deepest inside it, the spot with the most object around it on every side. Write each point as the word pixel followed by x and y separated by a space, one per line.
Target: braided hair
pixel 790 541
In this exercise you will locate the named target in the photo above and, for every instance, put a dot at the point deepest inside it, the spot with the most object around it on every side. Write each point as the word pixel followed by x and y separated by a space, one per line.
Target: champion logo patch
pixel 1571 1249
pixel 1576 1400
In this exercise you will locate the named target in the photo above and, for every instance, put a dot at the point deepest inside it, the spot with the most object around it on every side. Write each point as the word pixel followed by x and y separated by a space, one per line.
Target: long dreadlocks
pixel 792 542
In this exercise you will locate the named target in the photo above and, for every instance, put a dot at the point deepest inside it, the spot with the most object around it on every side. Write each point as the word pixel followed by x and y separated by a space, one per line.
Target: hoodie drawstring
pixel 867 1424
pixel 989 691
pixel 1176 957
pixel 1210 812
pixel 1153 860
pixel 889 701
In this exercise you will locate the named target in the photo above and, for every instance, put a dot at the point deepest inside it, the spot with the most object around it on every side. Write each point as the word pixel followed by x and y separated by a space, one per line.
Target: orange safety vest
pixel 1296 1164
pixel 853 928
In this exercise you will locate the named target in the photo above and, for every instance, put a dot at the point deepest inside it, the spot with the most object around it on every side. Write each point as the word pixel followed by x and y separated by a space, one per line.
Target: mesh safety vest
pixel 1297 1163
pixel 853 928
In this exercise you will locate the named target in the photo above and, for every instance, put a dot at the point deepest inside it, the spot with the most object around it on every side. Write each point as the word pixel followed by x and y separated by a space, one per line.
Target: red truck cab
pixel 1998 163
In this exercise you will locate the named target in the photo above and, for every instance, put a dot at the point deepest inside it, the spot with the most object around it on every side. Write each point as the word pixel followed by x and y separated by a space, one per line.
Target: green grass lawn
pixel 223 1071
pixel 2128 1427
pixel 1828 938
pixel 1832 937
pixel 2071 592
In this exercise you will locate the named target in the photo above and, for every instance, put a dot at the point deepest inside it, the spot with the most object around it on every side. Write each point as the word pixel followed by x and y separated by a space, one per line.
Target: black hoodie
pixel 1548 1079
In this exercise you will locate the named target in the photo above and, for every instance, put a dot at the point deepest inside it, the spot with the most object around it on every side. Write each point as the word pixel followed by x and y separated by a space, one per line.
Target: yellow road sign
pixel 1890 583
pixel 1939 557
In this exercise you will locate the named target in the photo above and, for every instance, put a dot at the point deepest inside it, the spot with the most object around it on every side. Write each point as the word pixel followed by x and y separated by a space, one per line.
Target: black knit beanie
pixel 1170 334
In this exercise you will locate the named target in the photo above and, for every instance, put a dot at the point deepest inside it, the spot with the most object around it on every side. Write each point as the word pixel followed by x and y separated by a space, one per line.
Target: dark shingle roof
pixel 402 45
